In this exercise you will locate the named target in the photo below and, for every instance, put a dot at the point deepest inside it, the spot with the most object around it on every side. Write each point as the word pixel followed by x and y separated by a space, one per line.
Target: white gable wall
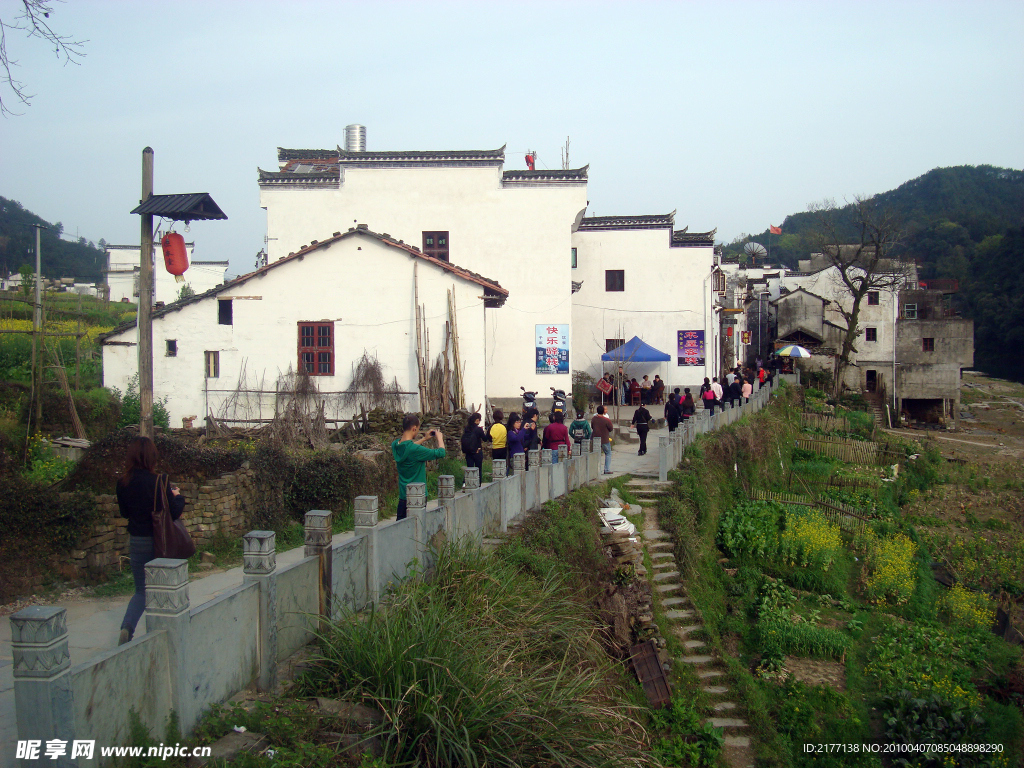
pixel 518 235
pixel 364 286
pixel 122 272
pixel 666 291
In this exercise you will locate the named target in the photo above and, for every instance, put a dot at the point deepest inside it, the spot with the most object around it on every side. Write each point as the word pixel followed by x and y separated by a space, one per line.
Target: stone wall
pixel 216 507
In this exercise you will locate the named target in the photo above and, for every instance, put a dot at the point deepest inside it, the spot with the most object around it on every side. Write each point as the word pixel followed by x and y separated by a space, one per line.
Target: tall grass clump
pixel 482 664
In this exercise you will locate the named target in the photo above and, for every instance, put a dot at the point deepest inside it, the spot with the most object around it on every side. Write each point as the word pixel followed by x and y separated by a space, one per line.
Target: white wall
pixel 364 286
pixel 666 291
pixel 517 235
pixel 122 260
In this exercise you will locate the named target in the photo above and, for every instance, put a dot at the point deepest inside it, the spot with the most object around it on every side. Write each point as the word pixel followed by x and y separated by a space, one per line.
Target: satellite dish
pixel 755 250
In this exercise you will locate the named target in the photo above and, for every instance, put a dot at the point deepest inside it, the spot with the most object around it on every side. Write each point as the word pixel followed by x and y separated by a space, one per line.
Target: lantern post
pixel 145 319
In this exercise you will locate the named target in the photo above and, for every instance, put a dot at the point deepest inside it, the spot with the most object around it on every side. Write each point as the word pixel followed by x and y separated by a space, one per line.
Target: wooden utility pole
pixel 145 320
pixel 37 324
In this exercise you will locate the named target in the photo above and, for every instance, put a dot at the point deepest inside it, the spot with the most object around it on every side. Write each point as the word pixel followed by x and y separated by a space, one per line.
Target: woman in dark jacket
pixel 688 408
pixel 516 437
pixel 472 442
pixel 672 413
pixel 136 494
pixel 642 422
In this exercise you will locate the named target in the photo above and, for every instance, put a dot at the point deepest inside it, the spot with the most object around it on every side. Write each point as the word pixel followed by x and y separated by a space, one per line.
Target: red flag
pixel 775 230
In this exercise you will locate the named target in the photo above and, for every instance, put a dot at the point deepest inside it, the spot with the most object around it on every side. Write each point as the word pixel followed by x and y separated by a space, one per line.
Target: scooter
pixel 529 399
pixel 558 406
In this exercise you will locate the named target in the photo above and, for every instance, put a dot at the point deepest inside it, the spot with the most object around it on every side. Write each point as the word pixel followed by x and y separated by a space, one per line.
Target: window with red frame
pixel 316 348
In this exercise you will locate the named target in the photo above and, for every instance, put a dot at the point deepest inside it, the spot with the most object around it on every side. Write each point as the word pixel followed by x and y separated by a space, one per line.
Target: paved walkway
pixel 94 623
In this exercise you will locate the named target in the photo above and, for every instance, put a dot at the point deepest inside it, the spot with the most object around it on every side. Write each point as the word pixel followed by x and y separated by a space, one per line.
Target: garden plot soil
pixel 817 672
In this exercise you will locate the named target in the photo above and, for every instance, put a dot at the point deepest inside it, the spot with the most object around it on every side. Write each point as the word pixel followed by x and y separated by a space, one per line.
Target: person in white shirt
pixel 717 389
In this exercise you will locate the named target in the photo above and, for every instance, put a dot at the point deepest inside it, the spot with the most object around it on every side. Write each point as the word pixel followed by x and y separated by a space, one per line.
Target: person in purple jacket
pixel 516 439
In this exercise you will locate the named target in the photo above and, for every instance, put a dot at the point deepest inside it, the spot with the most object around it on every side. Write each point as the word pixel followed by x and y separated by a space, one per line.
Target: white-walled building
pixel 459 206
pixel 639 276
pixel 317 309
pixel 122 274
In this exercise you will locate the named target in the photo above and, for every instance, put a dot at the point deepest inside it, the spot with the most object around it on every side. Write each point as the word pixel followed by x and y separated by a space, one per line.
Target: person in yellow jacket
pixel 498 435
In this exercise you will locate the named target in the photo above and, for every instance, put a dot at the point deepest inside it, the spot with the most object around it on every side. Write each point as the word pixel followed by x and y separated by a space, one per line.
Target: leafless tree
pixel 33 20
pixel 860 241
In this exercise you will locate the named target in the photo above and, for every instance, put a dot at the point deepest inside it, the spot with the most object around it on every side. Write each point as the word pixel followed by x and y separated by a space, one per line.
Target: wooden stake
pixel 78 338
pixel 419 340
pixel 146 302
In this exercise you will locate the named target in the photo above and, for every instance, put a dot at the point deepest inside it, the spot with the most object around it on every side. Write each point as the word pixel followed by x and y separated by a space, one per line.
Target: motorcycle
pixel 529 399
pixel 558 404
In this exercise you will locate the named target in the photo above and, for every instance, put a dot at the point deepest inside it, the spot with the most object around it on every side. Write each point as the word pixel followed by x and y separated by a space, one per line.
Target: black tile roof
pixel 286 178
pixel 285 155
pixel 196 206
pixel 571 176
pixel 658 221
pixel 421 158
pixel 684 239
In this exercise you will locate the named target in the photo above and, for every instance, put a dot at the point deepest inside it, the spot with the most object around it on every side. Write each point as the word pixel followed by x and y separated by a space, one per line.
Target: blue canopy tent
pixel 635 351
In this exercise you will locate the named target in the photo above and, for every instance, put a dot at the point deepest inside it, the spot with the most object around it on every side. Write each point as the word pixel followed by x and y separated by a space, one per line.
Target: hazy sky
pixel 733 113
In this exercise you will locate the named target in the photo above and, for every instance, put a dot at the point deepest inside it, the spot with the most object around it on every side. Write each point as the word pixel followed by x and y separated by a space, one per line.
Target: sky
pixel 732 113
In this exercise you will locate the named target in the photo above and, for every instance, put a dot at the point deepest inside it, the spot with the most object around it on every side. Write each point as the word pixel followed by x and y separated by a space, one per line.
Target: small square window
pixel 910 311
pixel 213 365
pixel 435 244
pixel 225 316
pixel 611 344
pixel 927 345
pixel 870 334
pixel 615 280
pixel 574 258
pixel 172 347
pixel 873 298
pixel 316 348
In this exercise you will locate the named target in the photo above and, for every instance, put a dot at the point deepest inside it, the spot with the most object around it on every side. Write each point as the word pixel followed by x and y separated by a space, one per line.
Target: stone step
pixel 708 674
pixel 657 534
pixel 716 690
pixel 737 741
pixel 666 576
pixel 687 630
pixel 668 602
pixel 692 645
pixel 724 706
pixel 649 484
pixel 677 615
pixel 645 503
pixel 662 565
pixel 697 659
pixel 727 722
pixel 665 589
pixel 662 556
pixel 661 546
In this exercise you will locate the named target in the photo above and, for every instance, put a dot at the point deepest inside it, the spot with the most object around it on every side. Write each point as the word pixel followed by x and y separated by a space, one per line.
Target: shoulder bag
pixel 170 537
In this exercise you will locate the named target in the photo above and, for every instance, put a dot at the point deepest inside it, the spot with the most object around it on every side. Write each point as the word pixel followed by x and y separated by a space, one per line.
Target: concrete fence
pixel 190 658
pixel 671 447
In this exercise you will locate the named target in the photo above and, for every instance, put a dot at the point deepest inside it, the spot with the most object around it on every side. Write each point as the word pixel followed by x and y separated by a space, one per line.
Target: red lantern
pixel 175 257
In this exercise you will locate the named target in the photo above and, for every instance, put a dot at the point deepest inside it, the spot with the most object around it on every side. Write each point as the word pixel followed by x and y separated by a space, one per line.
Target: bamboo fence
pixel 849 519
pixel 850 451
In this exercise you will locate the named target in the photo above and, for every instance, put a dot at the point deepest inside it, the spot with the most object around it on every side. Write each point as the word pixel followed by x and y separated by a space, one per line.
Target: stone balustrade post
pixel 43 701
pixel 545 457
pixel 167 609
pixel 519 463
pixel 563 453
pixel 664 458
pixel 472 476
pixel 534 458
pixel 445 489
pixel 259 565
pixel 498 469
pixel 318 545
pixel 416 509
pixel 367 516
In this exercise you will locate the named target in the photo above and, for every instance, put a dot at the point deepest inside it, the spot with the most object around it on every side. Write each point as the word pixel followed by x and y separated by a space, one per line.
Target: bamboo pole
pixel 419 339
pixel 78 339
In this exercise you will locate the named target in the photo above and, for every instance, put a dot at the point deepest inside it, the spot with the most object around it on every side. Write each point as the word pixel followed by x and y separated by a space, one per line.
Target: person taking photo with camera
pixel 412 456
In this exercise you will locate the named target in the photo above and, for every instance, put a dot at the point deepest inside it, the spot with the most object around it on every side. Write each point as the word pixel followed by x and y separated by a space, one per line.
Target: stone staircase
pixel 688 627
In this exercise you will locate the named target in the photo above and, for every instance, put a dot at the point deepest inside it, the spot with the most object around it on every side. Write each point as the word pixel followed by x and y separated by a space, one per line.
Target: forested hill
pixel 79 259
pixel 965 223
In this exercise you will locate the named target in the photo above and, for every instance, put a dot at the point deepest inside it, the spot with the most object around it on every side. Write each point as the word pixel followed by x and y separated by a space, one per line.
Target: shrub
pixel 689 742
pixel 751 528
pixel 131 406
pixel 893 574
pixel 973 610
pixel 810 541
pixel 43 466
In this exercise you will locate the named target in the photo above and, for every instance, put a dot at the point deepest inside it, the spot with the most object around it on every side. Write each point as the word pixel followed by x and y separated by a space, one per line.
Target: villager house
pixel 639 276
pixel 459 207
pixel 316 310
pixel 122 274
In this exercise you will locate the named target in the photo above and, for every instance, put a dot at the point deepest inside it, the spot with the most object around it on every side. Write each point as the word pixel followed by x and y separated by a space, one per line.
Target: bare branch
pixel 33 21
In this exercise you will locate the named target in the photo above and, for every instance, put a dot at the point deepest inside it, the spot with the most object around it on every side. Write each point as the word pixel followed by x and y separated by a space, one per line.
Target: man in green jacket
pixel 412 456
pixel 579 430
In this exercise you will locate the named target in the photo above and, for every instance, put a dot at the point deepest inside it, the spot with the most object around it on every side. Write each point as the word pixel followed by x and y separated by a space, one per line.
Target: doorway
pixel 872 381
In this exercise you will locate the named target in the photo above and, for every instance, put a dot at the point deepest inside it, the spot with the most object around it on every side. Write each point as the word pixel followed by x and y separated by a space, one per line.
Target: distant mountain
pixel 965 223
pixel 79 259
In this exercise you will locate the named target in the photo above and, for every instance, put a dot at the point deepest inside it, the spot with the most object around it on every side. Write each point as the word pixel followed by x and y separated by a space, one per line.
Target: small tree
pixel 27 273
pixel 859 240
pixel 186 292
